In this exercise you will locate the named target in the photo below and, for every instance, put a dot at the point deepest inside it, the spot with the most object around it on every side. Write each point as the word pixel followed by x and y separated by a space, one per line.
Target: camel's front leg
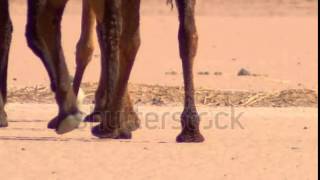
pixel 5 40
pixel 188 40
pixel 120 40
pixel 44 38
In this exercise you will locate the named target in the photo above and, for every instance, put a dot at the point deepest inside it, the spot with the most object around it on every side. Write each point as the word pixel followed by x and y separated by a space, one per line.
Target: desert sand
pixel 273 144
pixel 276 41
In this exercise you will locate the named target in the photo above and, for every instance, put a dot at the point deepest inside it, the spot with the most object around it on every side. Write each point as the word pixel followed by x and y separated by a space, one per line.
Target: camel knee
pixel 84 53
pixel 188 39
pixel 130 45
pixel 134 42
pixel 188 31
pixel 32 34
pixel 188 36
pixel 33 40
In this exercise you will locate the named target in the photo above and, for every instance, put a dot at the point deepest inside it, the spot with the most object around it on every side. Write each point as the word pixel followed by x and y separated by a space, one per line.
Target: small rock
pixel 171 73
pixel 295 148
pixel 218 73
pixel 244 72
pixel 204 73
pixel 233 158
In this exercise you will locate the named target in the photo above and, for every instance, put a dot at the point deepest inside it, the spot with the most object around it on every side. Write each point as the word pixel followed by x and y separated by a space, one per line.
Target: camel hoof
pixel 69 123
pixel 102 133
pixel 3 120
pixel 93 117
pixel 190 137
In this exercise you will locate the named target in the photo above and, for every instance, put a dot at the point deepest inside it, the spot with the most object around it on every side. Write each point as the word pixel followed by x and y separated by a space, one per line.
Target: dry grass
pixel 165 95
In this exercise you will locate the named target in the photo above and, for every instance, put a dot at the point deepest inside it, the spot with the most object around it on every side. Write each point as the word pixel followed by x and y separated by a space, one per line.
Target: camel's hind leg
pixel 120 40
pixel 44 38
pixel 5 40
pixel 85 46
pixel 188 41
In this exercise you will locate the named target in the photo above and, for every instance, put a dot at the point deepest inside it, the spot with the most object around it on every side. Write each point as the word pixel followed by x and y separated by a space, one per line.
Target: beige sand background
pixel 277 40
pixel 274 144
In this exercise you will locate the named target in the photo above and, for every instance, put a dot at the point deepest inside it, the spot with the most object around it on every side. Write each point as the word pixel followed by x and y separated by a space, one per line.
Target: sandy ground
pixel 273 144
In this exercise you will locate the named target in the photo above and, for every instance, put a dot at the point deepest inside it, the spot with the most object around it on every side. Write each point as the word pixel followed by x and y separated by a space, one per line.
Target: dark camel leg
pixel 101 93
pixel 129 46
pixel 121 47
pixel 85 46
pixel 100 98
pixel 188 40
pixel 44 38
pixel 5 40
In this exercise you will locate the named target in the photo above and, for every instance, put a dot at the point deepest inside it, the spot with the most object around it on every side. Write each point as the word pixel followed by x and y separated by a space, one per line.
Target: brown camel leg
pixel 5 40
pixel 44 38
pixel 120 38
pixel 188 40
pixel 100 103
pixel 85 45
pixel 129 46
pixel 100 96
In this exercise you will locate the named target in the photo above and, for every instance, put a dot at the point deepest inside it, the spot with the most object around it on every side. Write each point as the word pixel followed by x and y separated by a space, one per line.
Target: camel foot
pixel 104 133
pixel 65 124
pixel 69 123
pixel 3 120
pixel 190 137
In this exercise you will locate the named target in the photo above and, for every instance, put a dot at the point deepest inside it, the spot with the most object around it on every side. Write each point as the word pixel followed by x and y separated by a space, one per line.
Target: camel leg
pixel 44 38
pixel 5 40
pixel 188 40
pixel 85 45
pixel 129 46
pixel 100 95
pixel 121 41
